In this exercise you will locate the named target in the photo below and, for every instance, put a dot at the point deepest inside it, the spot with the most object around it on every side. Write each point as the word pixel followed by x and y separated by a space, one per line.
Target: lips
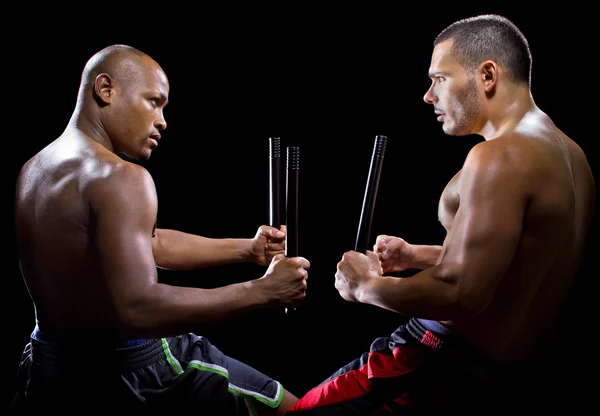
pixel 154 139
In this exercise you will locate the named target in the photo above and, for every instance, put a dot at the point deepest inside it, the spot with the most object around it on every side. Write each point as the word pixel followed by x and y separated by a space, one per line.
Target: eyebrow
pixel 163 97
pixel 434 74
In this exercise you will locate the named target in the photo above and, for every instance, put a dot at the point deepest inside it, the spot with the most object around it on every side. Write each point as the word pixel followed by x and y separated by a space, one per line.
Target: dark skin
pixel 88 243
pixel 516 217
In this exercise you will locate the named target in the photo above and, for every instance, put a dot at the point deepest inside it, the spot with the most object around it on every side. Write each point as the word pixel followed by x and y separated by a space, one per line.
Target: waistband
pixel 429 333
pixel 53 337
pixel 100 355
pixel 438 337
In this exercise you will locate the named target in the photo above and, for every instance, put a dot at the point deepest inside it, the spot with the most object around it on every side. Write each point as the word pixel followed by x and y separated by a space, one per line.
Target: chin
pixel 453 130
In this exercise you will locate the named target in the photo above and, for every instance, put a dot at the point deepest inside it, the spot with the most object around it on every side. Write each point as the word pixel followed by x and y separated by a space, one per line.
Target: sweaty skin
pixel 516 217
pixel 87 235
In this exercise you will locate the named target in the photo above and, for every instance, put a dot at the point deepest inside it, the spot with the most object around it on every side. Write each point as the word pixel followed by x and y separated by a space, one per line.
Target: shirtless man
pixel 108 335
pixel 486 302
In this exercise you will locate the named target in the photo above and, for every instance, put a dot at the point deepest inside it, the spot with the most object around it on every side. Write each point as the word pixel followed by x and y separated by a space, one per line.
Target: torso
pixel 542 270
pixel 55 226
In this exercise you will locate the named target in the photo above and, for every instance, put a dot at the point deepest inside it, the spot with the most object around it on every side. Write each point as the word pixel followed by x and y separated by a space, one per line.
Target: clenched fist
pixel 267 243
pixel 284 283
pixel 394 253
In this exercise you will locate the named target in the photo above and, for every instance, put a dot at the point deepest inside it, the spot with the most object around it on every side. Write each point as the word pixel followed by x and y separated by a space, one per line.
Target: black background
pixel 327 81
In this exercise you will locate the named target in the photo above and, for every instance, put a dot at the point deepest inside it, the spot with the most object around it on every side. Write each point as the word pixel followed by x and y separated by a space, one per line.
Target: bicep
pixel 486 229
pixel 125 214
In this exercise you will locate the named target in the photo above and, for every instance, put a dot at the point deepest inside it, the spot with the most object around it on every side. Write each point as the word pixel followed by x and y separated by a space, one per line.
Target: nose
pixel 430 97
pixel 161 123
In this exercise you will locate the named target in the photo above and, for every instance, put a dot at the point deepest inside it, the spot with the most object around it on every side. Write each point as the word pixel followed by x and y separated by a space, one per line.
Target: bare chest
pixel 449 202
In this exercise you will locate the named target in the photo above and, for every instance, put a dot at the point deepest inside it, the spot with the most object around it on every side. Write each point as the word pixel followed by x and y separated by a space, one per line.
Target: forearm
pixel 163 310
pixel 423 295
pixel 176 250
pixel 425 256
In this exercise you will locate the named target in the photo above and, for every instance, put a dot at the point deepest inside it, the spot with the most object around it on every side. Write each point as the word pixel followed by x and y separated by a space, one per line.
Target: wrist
pixel 248 254
pixel 363 291
pixel 424 256
pixel 256 293
pixel 414 256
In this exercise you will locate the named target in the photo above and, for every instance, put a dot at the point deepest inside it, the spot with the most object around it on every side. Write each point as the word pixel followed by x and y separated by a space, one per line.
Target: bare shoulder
pixel 507 164
pixel 118 181
pixel 25 173
pixel 506 152
pixel 576 151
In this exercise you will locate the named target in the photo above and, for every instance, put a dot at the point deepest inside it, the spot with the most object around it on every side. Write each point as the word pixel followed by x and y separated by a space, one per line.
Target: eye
pixel 440 79
pixel 154 102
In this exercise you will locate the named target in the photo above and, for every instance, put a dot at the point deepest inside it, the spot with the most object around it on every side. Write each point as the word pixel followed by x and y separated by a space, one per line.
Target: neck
pixel 505 109
pixel 91 126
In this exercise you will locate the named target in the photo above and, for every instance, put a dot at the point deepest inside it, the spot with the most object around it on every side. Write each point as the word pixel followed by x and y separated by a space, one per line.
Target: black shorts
pixel 185 372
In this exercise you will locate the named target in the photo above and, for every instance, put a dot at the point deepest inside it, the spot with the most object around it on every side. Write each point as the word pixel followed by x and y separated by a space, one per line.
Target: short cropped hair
pixel 490 36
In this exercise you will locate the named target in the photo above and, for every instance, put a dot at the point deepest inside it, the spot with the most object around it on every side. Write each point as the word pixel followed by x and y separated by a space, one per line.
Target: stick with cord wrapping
pixel 366 217
pixel 275 202
pixel 291 204
pixel 275 182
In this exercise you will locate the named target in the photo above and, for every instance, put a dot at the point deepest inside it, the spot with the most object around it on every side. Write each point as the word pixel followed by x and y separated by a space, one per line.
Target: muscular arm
pixel 477 251
pixel 124 207
pixel 177 250
pixel 425 256
pixel 396 255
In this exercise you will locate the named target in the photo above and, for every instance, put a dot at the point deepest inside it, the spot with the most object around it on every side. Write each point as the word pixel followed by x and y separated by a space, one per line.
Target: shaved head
pixel 123 63
pixel 121 98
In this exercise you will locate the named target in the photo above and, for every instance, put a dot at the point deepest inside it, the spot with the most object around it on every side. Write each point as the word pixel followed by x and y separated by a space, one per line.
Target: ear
pixel 489 75
pixel 103 88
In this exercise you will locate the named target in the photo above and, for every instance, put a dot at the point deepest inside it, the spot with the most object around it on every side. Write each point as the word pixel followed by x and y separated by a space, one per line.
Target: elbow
pixel 130 324
pixel 463 301
pixel 134 319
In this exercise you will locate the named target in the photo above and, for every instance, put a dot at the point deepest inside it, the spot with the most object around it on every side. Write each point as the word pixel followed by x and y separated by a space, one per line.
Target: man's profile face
pixel 453 92
pixel 139 109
